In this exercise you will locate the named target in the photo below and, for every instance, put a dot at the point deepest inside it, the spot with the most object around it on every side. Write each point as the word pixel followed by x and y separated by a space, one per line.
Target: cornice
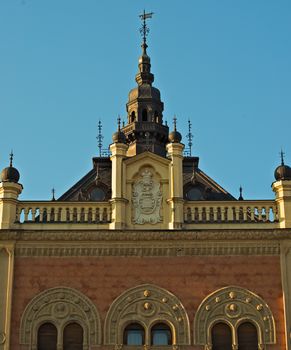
pixel 145 249
pixel 146 235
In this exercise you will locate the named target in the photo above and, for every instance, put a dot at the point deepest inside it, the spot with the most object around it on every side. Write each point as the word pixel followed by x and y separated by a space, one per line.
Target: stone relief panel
pixel 146 304
pixel 146 199
pixel 234 305
pixel 60 306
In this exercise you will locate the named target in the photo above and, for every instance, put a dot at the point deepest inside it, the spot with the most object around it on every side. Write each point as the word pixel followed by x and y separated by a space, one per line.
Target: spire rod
pixel 190 137
pixel 282 154
pixel 53 194
pixel 100 137
pixel 118 122
pixel 240 198
pixel 144 30
pixel 175 122
pixel 11 155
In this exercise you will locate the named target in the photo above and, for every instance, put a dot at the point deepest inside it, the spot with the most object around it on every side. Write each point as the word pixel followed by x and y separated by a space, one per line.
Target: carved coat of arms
pixel 147 199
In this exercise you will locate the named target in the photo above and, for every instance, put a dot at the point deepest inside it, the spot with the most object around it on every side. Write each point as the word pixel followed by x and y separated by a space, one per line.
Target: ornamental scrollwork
pixel 146 304
pixel 234 305
pixel 146 199
pixel 60 306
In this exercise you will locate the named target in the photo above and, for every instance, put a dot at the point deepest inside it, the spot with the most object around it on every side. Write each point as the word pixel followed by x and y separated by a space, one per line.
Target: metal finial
pixel 11 155
pixel 100 138
pixel 123 123
pixel 282 154
pixel 144 30
pixel 53 194
pixel 240 198
pixel 175 123
pixel 118 122
pixel 166 122
pixel 190 137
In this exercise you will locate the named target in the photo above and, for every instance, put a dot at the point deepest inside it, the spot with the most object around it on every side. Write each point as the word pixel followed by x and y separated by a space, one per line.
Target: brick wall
pixel 191 279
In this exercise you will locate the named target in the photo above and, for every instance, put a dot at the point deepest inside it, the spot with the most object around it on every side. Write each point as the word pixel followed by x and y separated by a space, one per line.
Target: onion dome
pixel 175 136
pixel 118 136
pixel 282 172
pixel 10 174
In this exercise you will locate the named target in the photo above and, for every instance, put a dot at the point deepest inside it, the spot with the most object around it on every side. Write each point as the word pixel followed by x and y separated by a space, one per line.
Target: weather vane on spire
pixel 144 30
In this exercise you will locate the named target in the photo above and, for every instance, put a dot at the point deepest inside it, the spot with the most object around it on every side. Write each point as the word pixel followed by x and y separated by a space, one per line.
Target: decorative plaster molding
pixel 233 306
pixel 144 235
pixel 147 249
pixel 146 199
pixel 60 306
pixel 146 304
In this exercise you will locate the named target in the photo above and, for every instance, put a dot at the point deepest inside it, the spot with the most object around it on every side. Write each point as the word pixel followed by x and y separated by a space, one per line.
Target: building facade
pixel 146 251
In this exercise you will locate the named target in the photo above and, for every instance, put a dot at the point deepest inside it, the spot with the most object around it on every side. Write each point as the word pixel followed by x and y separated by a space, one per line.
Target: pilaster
pixel 118 200
pixel 9 192
pixel 176 201
pixel 6 278
pixel 282 190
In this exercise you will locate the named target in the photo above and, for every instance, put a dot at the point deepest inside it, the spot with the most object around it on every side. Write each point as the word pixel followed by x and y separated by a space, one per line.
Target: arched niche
pixel 147 305
pixel 60 306
pixel 234 305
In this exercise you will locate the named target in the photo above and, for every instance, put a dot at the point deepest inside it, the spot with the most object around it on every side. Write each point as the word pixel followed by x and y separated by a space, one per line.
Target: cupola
pixel 10 174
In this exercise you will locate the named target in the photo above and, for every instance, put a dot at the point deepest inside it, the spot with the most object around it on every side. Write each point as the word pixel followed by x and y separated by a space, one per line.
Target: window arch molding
pixel 148 305
pixel 60 306
pixel 234 306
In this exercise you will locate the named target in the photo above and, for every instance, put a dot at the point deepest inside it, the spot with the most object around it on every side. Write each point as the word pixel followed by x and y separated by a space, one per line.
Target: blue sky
pixel 65 64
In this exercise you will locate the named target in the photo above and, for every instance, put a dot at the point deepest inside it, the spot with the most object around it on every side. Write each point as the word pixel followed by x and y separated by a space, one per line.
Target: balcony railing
pixel 63 212
pixel 210 212
pixel 196 213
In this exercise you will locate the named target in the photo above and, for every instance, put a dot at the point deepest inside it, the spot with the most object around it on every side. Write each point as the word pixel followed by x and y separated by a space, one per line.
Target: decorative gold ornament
pixel 146 293
pixel 147 306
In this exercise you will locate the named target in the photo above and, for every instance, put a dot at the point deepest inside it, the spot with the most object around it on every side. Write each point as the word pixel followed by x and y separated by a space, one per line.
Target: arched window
pixel 134 334
pixel 47 337
pixel 247 336
pixel 161 334
pixel 144 115
pixel 156 116
pixel 132 117
pixel 221 337
pixel 73 337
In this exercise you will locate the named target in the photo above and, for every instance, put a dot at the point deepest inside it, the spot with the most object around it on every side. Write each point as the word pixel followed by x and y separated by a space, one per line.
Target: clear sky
pixel 65 64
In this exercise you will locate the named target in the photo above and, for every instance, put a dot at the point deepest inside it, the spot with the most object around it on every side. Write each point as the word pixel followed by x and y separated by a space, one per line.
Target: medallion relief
pixel 146 199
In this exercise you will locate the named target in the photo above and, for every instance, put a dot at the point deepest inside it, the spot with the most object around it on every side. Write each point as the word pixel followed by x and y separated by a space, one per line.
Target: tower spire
pixel 190 137
pixel 100 138
pixel 11 155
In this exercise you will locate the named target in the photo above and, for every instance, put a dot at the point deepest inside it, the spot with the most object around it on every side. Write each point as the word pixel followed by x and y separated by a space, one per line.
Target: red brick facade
pixel 191 279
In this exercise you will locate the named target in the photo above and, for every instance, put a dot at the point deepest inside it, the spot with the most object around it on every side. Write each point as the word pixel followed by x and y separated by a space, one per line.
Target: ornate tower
pixel 145 130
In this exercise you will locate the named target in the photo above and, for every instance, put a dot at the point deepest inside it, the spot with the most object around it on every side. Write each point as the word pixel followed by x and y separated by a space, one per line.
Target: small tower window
pixel 134 334
pixel 144 115
pixel 161 334
pixel 132 117
pixel 157 117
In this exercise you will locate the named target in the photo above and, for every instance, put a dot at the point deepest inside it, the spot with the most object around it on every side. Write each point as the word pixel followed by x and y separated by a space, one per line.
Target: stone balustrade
pixel 211 212
pixel 46 212
pixel 195 213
